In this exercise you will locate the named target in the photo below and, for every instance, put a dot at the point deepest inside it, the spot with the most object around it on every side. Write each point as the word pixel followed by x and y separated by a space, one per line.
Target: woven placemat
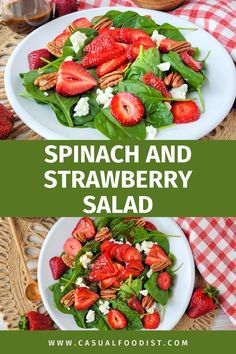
pixel 32 233
pixel 9 40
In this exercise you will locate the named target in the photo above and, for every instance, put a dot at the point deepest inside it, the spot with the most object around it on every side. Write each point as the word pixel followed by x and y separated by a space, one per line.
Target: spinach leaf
pixel 128 289
pixel 193 78
pixel 161 296
pixel 170 31
pixel 139 235
pixel 133 319
pixel 94 109
pixel 102 221
pixel 79 317
pixel 57 295
pixel 68 49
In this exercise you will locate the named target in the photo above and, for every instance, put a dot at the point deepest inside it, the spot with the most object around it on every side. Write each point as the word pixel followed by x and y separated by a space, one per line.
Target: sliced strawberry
pixel 103 30
pixel 189 61
pixel 127 35
pixel 122 67
pixel 166 44
pixel 132 255
pixel 150 226
pixel 105 246
pixel 107 283
pixel 58 267
pixel 60 40
pixel 6 126
pixel 72 247
pixel 112 250
pixel 146 42
pixel 185 112
pixel 151 321
pixel 119 267
pixel 6 113
pixel 155 82
pixel 102 268
pixel 116 319
pixel 117 283
pixel 136 265
pixel 130 272
pixel 84 298
pixel 39 322
pixel 103 43
pixel 35 58
pixel 134 304
pixel 110 65
pixel 82 22
pixel 73 79
pixel 127 108
pixel 155 254
pixel 85 227
pixel 164 281
pixel 91 60
pixel 120 252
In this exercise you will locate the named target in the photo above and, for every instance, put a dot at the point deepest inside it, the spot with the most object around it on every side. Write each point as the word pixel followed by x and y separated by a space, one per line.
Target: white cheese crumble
pixel 104 97
pixel 90 317
pixel 146 246
pixel 104 307
pixel 168 105
pixel 157 38
pixel 152 308
pixel 45 93
pixel 164 66
pixel 85 259
pixel 77 39
pixel 149 273
pixel 179 92
pixel 69 58
pixel 138 247
pixel 151 132
pixel 62 288
pixel 143 292
pixel 82 107
pixel 79 281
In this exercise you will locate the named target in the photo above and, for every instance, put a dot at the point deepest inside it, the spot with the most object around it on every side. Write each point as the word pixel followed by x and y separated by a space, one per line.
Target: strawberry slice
pixel 85 227
pixel 116 319
pixel 123 66
pixel 60 40
pixel 120 268
pixel 155 82
pixel 127 108
pixel 106 283
pixel 132 255
pixel 134 50
pixel 111 65
pixel 103 43
pixel 120 252
pixel 164 281
pixel 82 22
pixel 130 272
pixel 102 268
pixel 136 265
pixel 6 126
pixel 84 298
pixel 185 112
pixel 189 61
pixel 166 45
pixel 127 35
pixel 149 226
pixel 91 60
pixel 151 321
pixel 155 254
pixel 134 304
pixel 73 79
pixel 72 247
pixel 112 250
pixel 105 246
pixel 35 321
pixel 35 58
pixel 58 267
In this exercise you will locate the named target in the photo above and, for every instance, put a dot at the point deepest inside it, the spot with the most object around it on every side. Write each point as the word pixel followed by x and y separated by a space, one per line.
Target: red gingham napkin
pixel 213 243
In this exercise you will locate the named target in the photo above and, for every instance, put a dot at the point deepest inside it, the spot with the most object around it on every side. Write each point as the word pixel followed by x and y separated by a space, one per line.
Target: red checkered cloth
pixel 213 243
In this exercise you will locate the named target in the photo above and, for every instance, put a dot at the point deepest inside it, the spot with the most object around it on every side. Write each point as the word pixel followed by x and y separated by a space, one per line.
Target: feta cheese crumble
pixel 152 308
pixel 85 259
pixel 151 132
pixel 90 317
pixel 149 273
pixel 143 292
pixel 79 281
pixel 146 246
pixel 69 58
pixel 138 247
pixel 104 307
pixel 179 92
pixel 164 66
pixel 45 93
pixel 104 97
pixel 82 107
pixel 157 38
pixel 168 105
pixel 77 39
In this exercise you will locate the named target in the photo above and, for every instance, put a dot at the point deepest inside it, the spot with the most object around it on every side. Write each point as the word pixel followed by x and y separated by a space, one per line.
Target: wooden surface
pixel 162 5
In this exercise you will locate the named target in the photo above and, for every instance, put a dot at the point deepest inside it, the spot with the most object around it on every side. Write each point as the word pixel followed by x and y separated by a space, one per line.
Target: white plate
pixel 177 304
pixel 218 92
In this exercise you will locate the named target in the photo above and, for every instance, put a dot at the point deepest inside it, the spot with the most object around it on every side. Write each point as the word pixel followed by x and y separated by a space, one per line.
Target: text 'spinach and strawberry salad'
pixel 114 273
pixel 122 74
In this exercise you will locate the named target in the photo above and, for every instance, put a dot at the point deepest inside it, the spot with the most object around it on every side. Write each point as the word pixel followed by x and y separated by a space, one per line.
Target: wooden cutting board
pixel 162 5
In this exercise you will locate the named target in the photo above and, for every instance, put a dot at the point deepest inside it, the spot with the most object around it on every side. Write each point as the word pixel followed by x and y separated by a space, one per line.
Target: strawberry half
pixel 185 112
pixel 120 252
pixel 128 35
pixel 86 227
pixel 72 247
pixel 135 304
pixel 111 65
pixel 6 125
pixel 102 268
pixel 151 321
pixel 91 60
pixel 107 283
pixel 164 281
pixel 84 298
pixel 73 79
pixel 35 321
pixel 35 58
pixel 127 108
pixel 132 255
pixel 103 43
pixel 116 319
pixel 58 267
pixel 189 61
pixel 155 254
pixel 155 82
pixel 6 113
pixel 204 300
pixel 64 7
pixel 150 226
pixel 166 45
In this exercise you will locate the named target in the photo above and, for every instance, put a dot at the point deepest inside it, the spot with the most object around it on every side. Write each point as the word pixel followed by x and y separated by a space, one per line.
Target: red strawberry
pixel 156 253
pixel 120 268
pixel 111 65
pixel 105 246
pixel 85 227
pixel 82 22
pixel 84 298
pixel 72 247
pixel 164 281
pixel 127 108
pixel 91 60
pixel 6 126
pixel 73 79
pixel 151 321
pixel 116 319
pixel 112 250
pixel 130 272
pixel 146 42
pixel 60 40
pixel 155 82
pixel 123 66
pixel 132 255
pixel 120 252
pixel 34 58
pixel 189 61
pixel 134 304
pixel 6 113
pixel 35 321
pixel 107 283
pixel 58 267
pixel 204 300
pixel 65 7
pixel 166 45
pixel 102 268
pixel 185 112
pixel 103 43
pixel 149 226
pixel 134 49
pixel 136 265
pixel 127 35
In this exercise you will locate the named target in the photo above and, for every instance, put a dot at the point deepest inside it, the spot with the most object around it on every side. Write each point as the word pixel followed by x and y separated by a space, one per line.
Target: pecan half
pixel 80 237
pixel 69 299
pixel 103 23
pixel 140 223
pixel 147 302
pixel 174 80
pixel 108 294
pixel 46 82
pixel 180 46
pixel 160 265
pixel 111 79
pixel 103 234
pixel 68 260
pixel 54 49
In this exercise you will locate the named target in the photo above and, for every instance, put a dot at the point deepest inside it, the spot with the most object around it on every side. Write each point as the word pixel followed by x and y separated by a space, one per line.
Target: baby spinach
pixel 102 221
pixel 170 31
pixel 139 235
pixel 133 319
pixel 79 317
pixel 57 296
pixel 130 288
pixel 161 296
pixel 68 49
